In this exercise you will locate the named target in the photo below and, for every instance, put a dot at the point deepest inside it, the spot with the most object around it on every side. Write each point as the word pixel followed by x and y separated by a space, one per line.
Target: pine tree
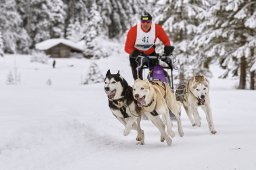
pixel 230 35
pixel 118 15
pixel 94 75
pixel 181 19
pixel 13 33
pixel 57 15
pixel 75 31
pixel 91 30
pixel 40 25
pixel 48 19
pixel 24 10
pixel 107 18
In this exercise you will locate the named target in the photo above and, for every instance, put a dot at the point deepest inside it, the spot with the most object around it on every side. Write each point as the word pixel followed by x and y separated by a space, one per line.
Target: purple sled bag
pixel 159 74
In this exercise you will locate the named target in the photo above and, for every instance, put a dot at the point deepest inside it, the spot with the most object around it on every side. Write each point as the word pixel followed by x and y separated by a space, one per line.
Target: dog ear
pixel 203 77
pixel 118 73
pixel 108 72
pixel 199 78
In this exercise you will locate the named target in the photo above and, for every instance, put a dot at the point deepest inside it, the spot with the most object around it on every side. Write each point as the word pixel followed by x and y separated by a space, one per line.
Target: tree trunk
pixel 242 82
pixel 29 17
pixel 252 82
pixel 252 74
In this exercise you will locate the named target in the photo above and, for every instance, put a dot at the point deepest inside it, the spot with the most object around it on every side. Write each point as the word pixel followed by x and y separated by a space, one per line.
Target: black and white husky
pixel 122 104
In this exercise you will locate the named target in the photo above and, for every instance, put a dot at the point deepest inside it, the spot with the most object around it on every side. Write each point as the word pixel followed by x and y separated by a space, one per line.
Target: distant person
pixel 53 63
pixel 141 40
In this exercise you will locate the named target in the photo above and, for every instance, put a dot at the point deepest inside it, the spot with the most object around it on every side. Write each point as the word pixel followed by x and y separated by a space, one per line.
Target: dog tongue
pixel 201 101
pixel 142 101
pixel 111 95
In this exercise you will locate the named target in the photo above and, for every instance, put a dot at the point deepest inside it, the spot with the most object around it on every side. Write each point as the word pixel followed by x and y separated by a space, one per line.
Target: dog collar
pixel 149 103
pixel 113 100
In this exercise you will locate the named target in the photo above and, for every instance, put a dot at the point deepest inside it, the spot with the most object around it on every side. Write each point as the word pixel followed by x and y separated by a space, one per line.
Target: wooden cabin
pixel 60 48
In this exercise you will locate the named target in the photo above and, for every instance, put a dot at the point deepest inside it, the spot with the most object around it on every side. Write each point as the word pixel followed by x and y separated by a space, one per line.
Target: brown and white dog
pixel 197 95
pixel 156 98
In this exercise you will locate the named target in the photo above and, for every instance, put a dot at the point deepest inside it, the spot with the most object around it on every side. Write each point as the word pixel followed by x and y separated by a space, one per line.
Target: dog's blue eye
pixel 113 82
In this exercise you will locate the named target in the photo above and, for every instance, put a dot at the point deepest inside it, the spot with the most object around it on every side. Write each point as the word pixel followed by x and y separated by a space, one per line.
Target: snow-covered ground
pixel 68 126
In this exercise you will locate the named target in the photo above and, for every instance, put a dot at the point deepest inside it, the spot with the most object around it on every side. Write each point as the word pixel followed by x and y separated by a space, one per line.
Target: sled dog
pixel 155 98
pixel 122 104
pixel 197 95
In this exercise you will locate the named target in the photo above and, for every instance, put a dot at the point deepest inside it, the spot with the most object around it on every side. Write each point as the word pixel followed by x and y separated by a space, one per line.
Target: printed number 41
pixel 145 39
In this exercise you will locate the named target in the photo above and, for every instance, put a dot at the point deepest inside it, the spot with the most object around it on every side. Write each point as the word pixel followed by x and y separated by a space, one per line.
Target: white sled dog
pixel 197 95
pixel 122 104
pixel 155 98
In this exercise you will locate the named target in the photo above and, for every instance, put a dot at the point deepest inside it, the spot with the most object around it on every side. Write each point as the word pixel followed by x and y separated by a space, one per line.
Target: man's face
pixel 145 25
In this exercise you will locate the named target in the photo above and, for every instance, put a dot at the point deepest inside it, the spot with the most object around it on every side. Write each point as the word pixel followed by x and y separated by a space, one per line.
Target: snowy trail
pixel 72 138
pixel 53 135
pixel 69 126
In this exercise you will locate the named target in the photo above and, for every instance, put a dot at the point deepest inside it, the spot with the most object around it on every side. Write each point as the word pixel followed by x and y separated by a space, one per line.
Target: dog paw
pixel 168 141
pixel 126 132
pixel 198 124
pixel 181 134
pixel 140 136
pixel 140 143
pixel 171 133
pixel 213 132
pixel 162 139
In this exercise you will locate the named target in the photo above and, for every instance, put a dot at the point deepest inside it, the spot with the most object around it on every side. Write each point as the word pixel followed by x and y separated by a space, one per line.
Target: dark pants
pixel 150 63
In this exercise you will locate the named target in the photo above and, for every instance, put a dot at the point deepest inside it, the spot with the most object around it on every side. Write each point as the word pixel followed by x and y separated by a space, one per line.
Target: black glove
pixel 168 50
pixel 136 53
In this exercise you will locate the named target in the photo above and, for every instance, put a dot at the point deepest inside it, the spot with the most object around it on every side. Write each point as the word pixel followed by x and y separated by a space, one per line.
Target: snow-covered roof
pixel 47 44
pixel 253 68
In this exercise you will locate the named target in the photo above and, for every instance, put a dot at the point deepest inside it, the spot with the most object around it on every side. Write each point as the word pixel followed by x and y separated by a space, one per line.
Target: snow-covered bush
pixel 13 78
pixel 94 75
pixel 76 55
pixel 49 82
pixel 102 47
pixel 10 78
pixel 39 57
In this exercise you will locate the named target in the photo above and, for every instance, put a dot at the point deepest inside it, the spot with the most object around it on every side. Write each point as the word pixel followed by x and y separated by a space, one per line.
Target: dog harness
pixel 124 113
pixel 154 112
pixel 162 85
pixel 122 109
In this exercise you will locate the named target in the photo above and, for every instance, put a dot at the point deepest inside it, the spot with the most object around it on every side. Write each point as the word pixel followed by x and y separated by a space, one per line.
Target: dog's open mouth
pixel 141 101
pixel 200 101
pixel 111 94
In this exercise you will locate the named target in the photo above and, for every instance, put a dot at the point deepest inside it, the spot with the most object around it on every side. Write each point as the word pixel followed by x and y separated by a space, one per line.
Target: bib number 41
pixel 145 39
